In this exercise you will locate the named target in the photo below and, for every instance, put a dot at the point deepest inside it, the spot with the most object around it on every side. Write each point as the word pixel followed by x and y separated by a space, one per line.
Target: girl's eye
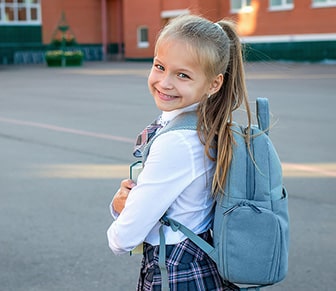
pixel 159 67
pixel 184 76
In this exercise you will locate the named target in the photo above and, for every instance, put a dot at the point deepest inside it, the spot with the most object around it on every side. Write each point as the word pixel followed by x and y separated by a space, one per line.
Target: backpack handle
pixel 262 105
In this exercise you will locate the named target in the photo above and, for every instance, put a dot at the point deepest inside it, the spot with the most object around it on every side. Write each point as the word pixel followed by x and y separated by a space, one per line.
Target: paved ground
pixel 66 136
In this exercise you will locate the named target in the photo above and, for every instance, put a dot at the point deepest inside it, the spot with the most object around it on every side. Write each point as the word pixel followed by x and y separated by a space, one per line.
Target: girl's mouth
pixel 165 96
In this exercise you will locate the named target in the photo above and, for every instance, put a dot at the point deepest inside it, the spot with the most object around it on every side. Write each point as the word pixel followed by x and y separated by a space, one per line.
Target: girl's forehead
pixel 167 45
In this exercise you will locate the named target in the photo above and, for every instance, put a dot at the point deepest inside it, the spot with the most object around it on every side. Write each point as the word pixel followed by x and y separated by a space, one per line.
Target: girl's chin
pixel 165 105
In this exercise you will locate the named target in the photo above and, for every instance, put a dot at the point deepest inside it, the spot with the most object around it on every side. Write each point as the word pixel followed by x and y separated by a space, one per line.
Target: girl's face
pixel 177 79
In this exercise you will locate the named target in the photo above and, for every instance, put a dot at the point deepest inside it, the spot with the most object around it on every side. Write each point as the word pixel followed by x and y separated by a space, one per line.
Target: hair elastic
pixel 218 25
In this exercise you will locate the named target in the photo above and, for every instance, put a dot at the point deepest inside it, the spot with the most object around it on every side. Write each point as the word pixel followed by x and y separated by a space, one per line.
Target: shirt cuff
pixel 114 214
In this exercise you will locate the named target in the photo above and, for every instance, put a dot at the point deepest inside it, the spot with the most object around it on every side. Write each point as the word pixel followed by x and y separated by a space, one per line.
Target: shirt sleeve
pixel 167 172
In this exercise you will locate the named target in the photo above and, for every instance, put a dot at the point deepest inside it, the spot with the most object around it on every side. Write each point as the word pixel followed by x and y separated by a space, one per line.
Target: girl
pixel 197 66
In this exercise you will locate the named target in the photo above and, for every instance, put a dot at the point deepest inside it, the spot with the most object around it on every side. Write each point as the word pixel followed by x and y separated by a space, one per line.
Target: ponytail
pixel 215 113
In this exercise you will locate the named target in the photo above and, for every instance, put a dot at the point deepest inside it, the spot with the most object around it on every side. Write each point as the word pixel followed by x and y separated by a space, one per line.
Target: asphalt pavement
pixel 66 137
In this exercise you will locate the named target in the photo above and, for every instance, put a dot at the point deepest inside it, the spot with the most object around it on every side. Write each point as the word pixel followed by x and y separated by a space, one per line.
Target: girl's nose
pixel 166 82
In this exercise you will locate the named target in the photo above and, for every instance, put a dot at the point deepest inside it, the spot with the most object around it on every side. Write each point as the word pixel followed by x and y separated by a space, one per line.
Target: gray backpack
pixel 251 223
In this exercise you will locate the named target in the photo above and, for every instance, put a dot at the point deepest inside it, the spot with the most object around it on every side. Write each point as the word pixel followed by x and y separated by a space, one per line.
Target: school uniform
pixel 176 180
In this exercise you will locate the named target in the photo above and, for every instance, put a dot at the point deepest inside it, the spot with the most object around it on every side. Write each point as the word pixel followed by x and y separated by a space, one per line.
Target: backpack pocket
pixel 251 247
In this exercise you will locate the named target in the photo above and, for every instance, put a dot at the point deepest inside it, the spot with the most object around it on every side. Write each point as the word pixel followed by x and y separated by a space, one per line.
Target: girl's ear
pixel 216 84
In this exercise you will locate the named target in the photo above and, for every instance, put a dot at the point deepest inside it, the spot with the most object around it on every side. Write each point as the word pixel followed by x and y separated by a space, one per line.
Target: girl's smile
pixel 166 97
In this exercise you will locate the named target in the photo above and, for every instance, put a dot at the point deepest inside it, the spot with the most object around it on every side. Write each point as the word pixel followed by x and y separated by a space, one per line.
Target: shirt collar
pixel 169 115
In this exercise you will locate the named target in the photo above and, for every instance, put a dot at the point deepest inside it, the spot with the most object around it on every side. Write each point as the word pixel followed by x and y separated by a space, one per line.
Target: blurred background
pixel 124 29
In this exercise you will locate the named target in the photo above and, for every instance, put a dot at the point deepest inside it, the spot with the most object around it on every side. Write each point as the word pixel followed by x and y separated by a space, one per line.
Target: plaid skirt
pixel 189 269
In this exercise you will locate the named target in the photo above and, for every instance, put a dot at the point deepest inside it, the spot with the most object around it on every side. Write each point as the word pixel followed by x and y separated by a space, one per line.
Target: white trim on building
pixel 174 13
pixel 289 38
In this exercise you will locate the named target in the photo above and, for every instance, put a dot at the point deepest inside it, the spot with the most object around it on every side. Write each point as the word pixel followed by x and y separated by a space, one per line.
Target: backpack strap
pixel 162 261
pixel 263 114
pixel 175 226
pixel 184 121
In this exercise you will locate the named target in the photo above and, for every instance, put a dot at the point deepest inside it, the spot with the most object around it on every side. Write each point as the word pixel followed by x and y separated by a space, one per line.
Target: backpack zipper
pixel 250 170
pixel 240 204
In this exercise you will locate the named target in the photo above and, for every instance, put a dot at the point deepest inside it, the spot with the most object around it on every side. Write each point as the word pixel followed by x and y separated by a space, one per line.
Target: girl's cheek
pixel 150 80
pixel 151 76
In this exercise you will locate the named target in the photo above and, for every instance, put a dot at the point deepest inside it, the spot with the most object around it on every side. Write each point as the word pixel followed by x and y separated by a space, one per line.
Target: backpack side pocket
pixel 251 245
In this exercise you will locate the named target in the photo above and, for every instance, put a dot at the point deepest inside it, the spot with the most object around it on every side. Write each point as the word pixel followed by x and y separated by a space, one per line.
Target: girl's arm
pixel 169 169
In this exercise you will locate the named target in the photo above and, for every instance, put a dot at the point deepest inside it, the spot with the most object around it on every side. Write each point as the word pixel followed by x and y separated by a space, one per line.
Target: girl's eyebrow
pixel 157 59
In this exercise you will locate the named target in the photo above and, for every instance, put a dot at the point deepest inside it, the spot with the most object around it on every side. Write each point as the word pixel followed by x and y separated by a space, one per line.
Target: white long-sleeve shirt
pixel 176 179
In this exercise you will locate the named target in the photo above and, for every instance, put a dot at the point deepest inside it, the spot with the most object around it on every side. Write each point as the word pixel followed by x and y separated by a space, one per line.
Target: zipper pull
pixel 233 208
pixel 242 203
pixel 255 208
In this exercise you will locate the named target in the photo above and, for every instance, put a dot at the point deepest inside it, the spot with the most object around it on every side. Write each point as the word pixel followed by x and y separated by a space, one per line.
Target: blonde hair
pixel 219 51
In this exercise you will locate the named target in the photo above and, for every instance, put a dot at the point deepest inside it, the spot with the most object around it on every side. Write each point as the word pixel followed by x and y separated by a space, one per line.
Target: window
pixel 143 37
pixel 323 3
pixel 281 5
pixel 241 6
pixel 20 12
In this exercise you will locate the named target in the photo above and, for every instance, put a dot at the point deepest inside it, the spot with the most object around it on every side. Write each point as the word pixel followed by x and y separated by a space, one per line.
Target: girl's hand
pixel 120 197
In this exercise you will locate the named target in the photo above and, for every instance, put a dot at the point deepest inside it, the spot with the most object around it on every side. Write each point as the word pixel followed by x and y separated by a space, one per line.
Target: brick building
pixel 303 30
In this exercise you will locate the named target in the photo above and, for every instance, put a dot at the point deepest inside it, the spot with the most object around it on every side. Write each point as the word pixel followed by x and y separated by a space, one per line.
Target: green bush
pixel 59 58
